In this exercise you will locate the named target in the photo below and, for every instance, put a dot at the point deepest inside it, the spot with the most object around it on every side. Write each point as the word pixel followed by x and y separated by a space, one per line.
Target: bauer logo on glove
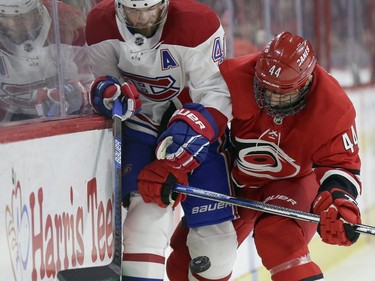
pixel 190 115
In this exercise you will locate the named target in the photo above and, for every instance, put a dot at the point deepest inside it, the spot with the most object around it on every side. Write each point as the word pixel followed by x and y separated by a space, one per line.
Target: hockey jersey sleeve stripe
pixel 336 178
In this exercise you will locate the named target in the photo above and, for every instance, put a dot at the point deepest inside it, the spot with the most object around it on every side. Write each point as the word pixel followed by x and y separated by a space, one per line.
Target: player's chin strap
pixel 261 206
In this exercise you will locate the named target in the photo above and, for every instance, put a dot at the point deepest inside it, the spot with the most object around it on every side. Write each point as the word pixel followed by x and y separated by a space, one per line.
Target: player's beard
pixel 20 33
pixel 18 38
pixel 147 31
pixel 146 25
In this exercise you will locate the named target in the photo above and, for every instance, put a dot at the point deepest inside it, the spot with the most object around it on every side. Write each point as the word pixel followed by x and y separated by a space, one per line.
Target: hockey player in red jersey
pixel 170 50
pixel 294 145
pixel 31 60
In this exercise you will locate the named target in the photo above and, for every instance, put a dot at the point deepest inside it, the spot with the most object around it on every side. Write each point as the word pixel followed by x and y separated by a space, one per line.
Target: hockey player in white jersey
pixel 30 63
pixel 170 50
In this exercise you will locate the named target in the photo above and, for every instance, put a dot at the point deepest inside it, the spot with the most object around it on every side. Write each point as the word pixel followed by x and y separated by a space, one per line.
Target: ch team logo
pixel 156 89
pixel 264 159
pixel 23 95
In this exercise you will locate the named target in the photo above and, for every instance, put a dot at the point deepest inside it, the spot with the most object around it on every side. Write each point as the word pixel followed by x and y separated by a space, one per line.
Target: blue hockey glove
pixel 48 100
pixel 184 145
pixel 106 89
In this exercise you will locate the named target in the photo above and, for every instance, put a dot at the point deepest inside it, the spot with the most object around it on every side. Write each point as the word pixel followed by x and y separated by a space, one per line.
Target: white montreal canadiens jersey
pixel 179 63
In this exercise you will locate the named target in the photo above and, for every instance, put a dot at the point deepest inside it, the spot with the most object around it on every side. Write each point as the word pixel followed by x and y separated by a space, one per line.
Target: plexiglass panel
pixel 44 66
pixel 341 31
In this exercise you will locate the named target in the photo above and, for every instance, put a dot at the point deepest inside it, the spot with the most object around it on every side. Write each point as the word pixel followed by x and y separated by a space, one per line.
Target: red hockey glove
pixel 155 184
pixel 184 145
pixel 338 211
pixel 48 100
pixel 106 89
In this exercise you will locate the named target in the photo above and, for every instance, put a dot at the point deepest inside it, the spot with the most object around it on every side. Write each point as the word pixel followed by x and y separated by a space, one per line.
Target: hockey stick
pixel 111 271
pixel 261 206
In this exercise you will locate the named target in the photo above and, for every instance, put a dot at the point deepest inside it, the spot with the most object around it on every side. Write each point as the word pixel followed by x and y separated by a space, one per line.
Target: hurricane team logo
pixel 263 159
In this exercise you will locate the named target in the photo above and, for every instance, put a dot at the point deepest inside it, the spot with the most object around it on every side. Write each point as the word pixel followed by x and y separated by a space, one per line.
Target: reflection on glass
pixel 84 5
pixel 342 32
pixel 34 82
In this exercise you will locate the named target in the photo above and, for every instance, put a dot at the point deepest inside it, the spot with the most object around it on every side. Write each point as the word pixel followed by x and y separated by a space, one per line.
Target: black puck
pixel 199 264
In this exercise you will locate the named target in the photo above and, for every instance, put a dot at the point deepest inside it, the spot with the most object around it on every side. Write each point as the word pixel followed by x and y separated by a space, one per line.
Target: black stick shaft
pixel 112 271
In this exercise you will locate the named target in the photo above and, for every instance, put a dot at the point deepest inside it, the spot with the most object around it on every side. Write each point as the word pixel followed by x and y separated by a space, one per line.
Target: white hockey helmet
pixel 123 5
pixel 20 20
pixel 139 4
pixel 18 7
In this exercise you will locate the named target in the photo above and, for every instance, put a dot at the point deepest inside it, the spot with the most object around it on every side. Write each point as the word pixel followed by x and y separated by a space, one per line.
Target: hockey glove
pixel 184 145
pixel 106 89
pixel 155 184
pixel 338 211
pixel 48 100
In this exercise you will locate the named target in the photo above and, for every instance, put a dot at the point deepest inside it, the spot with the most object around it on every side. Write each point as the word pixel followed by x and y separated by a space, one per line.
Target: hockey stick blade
pixel 100 273
pixel 111 271
pixel 261 206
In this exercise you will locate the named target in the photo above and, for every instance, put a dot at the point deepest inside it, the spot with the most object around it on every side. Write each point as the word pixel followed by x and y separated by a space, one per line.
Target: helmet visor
pixel 19 28
pixel 143 17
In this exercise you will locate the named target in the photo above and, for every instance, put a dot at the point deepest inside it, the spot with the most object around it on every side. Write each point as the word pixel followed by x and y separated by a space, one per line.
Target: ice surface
pixel 359 266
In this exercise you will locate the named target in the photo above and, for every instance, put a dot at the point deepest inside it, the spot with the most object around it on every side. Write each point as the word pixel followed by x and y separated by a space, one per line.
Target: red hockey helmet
pixel 283 75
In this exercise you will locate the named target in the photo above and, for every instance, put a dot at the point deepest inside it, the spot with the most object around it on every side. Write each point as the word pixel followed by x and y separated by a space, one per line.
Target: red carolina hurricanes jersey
pixel 320 138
